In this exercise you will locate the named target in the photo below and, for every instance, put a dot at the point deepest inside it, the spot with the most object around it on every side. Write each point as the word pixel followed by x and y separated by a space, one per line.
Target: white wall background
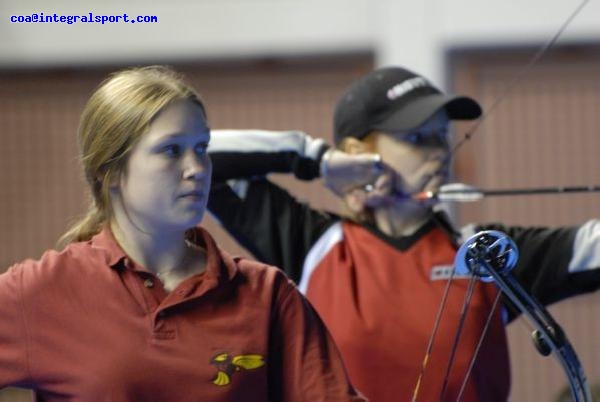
pixel 411 33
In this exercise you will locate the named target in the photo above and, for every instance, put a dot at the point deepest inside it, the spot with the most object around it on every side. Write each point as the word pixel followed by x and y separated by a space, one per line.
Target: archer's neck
pixel 401 220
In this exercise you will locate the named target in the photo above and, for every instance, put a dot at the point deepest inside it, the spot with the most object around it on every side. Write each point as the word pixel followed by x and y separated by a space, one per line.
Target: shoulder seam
pixel 332 236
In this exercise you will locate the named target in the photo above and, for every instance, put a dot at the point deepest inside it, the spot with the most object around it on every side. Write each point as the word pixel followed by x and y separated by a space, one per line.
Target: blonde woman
pixel 141 304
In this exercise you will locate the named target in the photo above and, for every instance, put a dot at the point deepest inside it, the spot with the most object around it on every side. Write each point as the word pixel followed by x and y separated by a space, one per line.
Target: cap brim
pixel 416 112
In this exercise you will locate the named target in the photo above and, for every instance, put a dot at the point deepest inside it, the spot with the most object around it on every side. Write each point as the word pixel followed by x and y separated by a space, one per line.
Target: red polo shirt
pixel 88 324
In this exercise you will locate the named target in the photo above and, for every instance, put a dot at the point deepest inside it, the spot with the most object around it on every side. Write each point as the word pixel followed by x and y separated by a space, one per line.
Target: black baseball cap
pixel 394 99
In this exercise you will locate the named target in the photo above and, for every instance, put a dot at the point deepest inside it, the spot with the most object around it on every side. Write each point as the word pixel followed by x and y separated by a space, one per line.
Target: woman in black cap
pixel 377 276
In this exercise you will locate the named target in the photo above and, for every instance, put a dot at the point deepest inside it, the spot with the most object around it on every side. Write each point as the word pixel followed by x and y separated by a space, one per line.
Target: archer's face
pixel 419 156
pixel 167 177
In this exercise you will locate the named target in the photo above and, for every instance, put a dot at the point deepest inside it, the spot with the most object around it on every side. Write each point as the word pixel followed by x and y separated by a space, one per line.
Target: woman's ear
pixel 104 175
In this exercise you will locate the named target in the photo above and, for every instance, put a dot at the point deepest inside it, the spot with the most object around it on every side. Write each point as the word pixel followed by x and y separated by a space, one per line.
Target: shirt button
pixel 149 283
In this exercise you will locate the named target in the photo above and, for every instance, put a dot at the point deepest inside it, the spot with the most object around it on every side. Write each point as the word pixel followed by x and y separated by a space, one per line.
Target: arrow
pixel 460 192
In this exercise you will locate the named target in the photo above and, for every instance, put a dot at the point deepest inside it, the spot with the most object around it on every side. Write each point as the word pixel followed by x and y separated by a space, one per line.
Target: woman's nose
pixel 195 166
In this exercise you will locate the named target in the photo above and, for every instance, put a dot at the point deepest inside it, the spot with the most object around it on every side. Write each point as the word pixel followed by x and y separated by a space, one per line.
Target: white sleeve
pixel 586 248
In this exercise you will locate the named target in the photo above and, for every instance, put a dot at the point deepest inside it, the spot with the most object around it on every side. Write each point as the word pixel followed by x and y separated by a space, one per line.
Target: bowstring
pixel 459 329
pixel 436 325
pixel 468 135
pixel 479 344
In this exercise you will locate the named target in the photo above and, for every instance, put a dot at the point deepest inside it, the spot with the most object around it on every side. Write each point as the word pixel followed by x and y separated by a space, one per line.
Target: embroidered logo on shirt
pixel 443 272
pixel 227 365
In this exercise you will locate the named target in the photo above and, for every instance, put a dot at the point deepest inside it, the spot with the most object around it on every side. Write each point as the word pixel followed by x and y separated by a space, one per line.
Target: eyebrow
pixel 185 134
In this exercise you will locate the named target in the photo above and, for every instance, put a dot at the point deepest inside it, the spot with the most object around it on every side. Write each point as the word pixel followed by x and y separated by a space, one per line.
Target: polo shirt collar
pixel 107 243
pixel 219 264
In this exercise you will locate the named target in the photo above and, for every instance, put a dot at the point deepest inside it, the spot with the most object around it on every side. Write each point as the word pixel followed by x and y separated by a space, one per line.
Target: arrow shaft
pixel 526 191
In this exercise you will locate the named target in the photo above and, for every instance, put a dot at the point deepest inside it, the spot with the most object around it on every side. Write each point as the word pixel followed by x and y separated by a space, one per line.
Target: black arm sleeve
pixel 239 154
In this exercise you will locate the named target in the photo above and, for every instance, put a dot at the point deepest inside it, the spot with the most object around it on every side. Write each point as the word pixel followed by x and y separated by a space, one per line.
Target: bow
pixel 549 334
pixel 491 255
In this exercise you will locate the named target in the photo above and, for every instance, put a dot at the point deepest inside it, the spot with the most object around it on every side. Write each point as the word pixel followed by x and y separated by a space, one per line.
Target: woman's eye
pixel 201 148
pixel 415 138
pixel 171 150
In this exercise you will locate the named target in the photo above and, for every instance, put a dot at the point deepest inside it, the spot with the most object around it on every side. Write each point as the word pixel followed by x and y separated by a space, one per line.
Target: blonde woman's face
pixel 167 177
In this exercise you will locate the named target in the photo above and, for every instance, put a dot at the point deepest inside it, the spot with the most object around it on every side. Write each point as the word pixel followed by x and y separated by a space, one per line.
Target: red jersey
pixel 354 274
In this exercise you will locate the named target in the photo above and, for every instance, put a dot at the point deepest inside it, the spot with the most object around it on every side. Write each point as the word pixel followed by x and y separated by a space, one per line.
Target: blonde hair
pixel 115 117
